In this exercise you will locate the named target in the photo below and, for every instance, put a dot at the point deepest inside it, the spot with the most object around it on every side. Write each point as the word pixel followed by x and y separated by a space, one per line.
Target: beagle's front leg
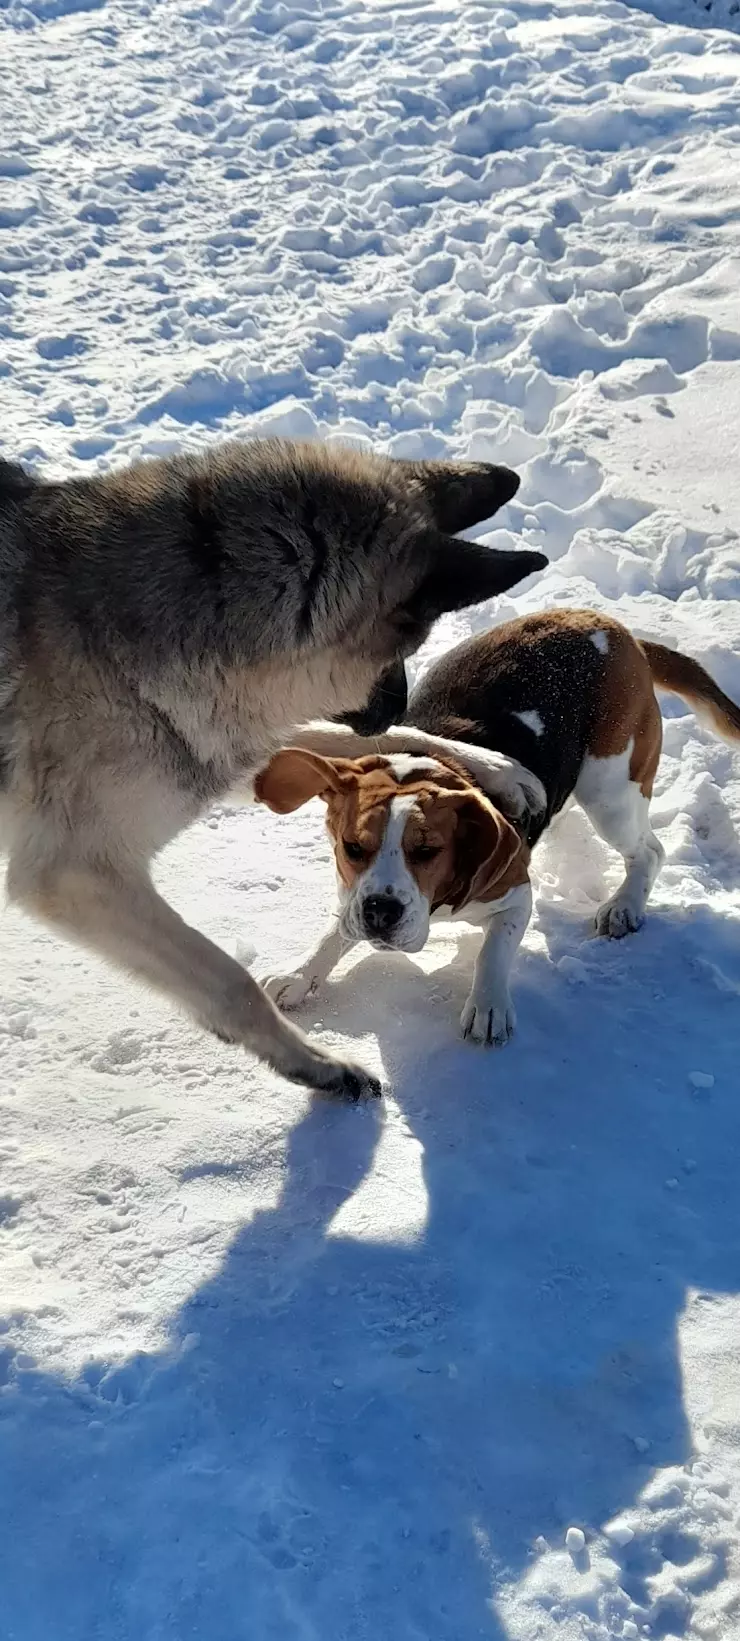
pixel 290 990
pixel 488 1017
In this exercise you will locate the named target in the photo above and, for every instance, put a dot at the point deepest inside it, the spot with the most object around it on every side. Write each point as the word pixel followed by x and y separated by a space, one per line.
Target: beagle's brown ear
pixel 486 844
pixel 293 777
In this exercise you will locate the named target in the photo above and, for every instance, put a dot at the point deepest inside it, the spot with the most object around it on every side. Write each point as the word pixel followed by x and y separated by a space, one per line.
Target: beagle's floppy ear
pixel 293 777
pixel 486 843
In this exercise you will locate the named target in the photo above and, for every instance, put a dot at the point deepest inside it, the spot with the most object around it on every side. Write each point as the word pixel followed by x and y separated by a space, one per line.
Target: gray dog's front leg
pixel 505 781
pixel 123 918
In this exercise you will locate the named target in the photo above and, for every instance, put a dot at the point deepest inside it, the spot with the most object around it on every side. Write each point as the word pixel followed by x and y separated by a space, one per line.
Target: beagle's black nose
pixel 380 914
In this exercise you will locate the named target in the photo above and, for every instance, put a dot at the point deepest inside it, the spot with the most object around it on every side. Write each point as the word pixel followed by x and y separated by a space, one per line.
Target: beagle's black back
pixel 528 689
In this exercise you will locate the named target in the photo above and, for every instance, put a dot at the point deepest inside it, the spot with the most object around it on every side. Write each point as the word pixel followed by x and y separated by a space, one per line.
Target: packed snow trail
pixel 274 1372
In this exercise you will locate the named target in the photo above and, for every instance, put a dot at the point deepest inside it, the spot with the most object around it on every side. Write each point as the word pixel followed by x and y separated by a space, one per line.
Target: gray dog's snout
pixel 381 913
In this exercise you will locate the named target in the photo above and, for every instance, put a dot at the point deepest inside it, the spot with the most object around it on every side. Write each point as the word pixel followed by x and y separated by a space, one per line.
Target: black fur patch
pixel 386 706
pixel 476 693
pixel 14 481
pixel 317 542
pixel 202 526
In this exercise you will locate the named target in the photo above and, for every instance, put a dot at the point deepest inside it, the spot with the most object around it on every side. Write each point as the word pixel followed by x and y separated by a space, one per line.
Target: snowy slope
pixel 275 1372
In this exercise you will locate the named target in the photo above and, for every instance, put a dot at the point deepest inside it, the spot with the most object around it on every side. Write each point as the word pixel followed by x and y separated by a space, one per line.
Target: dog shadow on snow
pixel 357 1438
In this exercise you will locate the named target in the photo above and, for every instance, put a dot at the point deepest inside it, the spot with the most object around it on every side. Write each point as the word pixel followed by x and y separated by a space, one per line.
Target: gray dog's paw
pixel 342 1080
pixel 352 1083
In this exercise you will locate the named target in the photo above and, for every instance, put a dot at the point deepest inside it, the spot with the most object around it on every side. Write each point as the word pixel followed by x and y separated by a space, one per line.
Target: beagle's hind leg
pixel 615 793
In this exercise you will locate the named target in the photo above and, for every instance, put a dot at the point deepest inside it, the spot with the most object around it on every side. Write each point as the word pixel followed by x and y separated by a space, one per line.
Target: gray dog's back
pixel 247 550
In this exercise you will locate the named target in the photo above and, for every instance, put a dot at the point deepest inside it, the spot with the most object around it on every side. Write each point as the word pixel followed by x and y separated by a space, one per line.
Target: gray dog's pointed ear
pixel 464 572
pixel 461 494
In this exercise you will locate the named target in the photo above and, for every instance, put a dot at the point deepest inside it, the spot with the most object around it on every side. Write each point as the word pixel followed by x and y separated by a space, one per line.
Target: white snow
pixel 619 1532
pixel 701 1079
pixel 280 1372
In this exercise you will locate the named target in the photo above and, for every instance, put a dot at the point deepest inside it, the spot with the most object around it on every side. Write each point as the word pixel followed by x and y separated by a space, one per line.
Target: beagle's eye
pixel 353 851
pixel 424 851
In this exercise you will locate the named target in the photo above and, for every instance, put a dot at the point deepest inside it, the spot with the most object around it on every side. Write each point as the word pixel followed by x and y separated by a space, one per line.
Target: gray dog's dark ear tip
pixel 535 561
pixel 461 494
pixel 466 572
pixel 507 482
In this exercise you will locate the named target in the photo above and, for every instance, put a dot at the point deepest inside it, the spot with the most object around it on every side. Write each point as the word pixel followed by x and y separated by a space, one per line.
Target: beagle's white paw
pixel 618 917
pixel 289 990
pixel 488 1021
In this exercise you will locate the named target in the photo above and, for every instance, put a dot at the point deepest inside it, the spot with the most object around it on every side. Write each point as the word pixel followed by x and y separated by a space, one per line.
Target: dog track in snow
pixel 659 1570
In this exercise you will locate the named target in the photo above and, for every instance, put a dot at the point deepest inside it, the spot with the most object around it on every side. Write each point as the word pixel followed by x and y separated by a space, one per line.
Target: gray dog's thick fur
pixel 162 629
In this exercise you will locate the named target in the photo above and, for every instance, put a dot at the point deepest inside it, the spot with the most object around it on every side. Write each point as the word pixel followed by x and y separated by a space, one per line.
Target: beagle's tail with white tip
pixel 679 675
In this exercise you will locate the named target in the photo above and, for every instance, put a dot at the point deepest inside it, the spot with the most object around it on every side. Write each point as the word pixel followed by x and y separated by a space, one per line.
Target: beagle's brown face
pixel 410 835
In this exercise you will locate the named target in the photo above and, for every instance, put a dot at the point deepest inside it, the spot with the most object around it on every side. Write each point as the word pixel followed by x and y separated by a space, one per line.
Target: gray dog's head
pixel 324 549
pixel 446 573
pixel 323 566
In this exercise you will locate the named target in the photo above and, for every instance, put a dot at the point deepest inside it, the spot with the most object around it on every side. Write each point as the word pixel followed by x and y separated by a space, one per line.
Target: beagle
pixel 569 696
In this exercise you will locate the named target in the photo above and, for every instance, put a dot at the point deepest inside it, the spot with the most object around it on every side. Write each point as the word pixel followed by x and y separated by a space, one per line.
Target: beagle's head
pixel 410 835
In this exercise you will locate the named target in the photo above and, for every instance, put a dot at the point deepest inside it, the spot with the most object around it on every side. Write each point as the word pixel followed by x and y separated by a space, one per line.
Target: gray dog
pixel 162 630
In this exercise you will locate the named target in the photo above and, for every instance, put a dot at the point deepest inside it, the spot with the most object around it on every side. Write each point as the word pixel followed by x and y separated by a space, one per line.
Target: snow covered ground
pixel 280 1372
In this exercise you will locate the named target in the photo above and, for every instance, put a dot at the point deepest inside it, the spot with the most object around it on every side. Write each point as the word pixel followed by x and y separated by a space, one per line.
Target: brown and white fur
pixel 569 693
